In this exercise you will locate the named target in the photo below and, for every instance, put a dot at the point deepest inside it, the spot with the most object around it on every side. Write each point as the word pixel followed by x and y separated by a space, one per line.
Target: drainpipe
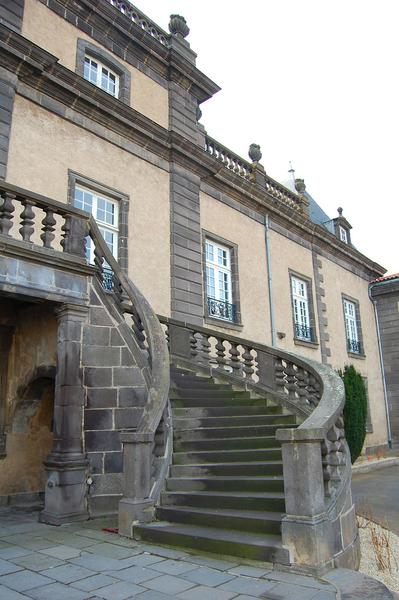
pixel 270 281
pixel 384 384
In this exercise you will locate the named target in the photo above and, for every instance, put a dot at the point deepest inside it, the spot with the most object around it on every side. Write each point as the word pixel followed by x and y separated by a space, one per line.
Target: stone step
pixel 225 411
pixel 237 469
pixel 234 543
pixel 270 501
pixel 201 394
pixel 212 402
pixel 184 383
pixel 229 443
pixel 241 421
pixel 256 521
pixel 227 432
pixel 226 456
pixel 270 483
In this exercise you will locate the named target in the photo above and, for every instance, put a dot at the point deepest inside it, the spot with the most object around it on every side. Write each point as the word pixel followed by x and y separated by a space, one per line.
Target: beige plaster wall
pixel 46 29
pixel 287 255
pixel 52 145
pixel 223 221
pixel 34 345
pixel 338 281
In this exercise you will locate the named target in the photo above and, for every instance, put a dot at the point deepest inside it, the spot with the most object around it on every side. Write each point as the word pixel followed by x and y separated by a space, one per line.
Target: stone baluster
pixel 6 212
pixel 138 329
pixel 312 398
pixel 193 345
pixel 48 228
pixel 235 362
pixel 205 349
pixel 280 375
pixel 291 380
pixel 220 353
pixel 249 362
pixel 27 219
pixel 302 385
pixel 75 230
pixel 99 261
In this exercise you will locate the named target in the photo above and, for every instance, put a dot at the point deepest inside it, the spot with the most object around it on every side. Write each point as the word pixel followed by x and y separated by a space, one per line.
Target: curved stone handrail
pixel 316 458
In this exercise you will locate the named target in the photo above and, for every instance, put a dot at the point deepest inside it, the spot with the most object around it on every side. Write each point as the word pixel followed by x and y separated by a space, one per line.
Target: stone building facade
pixel 100 111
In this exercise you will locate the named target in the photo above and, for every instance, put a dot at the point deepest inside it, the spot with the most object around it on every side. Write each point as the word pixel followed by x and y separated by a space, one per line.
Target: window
pixel 103 70
pixel 101 76
pixel 343 234
pixel 219 282
pixel 300 305
pixel 351 327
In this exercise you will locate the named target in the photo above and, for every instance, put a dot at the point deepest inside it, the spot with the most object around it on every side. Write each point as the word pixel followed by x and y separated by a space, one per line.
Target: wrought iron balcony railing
pixel 219 309
pixel 354 346
pixel 302 332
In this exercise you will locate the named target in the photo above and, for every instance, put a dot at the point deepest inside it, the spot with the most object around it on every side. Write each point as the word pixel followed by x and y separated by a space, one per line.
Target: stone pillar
pixel 306 530
pixel 136 505
pixel 65 496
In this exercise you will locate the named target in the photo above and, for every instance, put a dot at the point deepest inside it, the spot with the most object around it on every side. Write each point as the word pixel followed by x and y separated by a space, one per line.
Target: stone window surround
pixel 312 318
pixel 123 200
pixel 361 354
pixel 87 48
pixel 235 288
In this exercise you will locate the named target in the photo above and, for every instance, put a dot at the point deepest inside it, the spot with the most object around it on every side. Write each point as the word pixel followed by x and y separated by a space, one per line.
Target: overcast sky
pixel 312 82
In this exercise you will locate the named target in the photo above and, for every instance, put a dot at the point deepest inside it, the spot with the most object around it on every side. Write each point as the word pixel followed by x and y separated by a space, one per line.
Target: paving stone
pixel 24 580
pixel 93 583
pixel 281 591
pixel 7 594
pixel 296 579
pixel 221 565
pixel 13 552
pixel 172 567
pixel 94 534
pixel 249 571
pixel 71 540
pixel 56 591
pixel 68 573
pixel 37 562
pixel 63 552
pixel 153 595
pixel 113 551
pixel 245 597
pixel 325 596
pixel 119 591
pixel 29 542
pixel 166 552
pixel 201 592
pixel 8 567
pixel 206 576
pixel 134 574
pixel 144 560
pixel 250 587
pixel 98 563
pixel 168 584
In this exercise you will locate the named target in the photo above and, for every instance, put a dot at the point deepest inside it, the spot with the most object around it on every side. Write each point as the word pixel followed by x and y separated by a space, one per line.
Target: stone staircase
pixel 225 490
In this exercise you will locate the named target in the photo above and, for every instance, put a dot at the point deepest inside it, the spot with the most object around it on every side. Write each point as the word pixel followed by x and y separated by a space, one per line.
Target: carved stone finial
pixel 340 211
pixel 300 186
pixel 198 113
pixel 178 26
pixel 254 153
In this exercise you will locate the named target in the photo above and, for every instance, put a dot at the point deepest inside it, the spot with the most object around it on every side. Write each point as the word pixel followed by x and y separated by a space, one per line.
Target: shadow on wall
pixel 31 436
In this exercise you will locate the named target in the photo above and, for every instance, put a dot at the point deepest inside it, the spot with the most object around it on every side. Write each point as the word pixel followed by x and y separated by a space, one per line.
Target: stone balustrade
pixel 230 160
pixel 142 21
pixel 316 459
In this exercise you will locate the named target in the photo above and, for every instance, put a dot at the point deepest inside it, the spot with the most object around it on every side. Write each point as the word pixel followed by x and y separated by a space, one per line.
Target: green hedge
pixel 355 411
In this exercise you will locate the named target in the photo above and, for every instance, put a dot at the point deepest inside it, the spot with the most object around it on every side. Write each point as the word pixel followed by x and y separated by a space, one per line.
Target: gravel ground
pixel 385 546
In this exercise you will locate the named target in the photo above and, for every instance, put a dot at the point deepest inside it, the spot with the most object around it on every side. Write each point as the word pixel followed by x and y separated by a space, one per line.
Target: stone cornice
pixel 40 71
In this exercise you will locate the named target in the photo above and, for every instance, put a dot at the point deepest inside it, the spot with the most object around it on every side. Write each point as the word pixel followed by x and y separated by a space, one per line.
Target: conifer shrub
pixel 355 410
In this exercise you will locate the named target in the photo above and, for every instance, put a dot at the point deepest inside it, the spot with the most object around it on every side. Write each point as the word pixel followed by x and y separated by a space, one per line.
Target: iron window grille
pixel 303 332
pixel 220 309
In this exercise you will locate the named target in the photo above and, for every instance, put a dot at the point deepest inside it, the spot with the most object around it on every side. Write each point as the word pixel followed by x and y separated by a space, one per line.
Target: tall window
pixel 218 281
pixel 300 302
pixel 352 334
pixel 105 211
pixel 101 76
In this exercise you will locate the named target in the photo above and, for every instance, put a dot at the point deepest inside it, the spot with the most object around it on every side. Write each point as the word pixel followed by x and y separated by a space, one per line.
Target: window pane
pixel 90 70
pixel 210 282
pixel 209 252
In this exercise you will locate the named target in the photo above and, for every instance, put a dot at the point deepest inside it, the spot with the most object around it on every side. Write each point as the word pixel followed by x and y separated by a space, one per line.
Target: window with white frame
pixel 218 281
pixel 101 76
pixel 300 304
pixel 352 333
pixel 106 213
pixel 343 234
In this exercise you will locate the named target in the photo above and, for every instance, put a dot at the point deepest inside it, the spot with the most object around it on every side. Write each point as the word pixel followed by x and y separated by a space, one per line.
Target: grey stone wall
pixel 186 249
pixel 115 395
pixel 11 13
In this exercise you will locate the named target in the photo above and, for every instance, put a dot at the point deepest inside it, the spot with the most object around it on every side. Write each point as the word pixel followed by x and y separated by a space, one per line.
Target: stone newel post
pixel 65 496
pixel 305 529
pixel 136 505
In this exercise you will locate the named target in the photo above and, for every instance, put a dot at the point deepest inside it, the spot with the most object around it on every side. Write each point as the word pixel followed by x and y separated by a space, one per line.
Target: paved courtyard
pixel 82 562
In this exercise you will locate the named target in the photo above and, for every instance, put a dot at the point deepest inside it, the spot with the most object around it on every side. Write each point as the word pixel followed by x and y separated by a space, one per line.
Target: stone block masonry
pixel 115 395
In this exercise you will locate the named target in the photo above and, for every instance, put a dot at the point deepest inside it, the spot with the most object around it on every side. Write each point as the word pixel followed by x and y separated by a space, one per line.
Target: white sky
pixel 314 82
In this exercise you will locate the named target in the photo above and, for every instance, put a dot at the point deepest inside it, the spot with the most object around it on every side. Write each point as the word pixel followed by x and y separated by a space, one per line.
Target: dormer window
pixel 343 234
